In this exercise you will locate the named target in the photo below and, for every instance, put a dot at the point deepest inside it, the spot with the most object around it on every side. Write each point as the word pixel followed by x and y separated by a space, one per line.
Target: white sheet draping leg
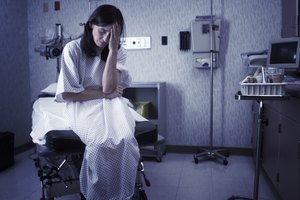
pixel 111 157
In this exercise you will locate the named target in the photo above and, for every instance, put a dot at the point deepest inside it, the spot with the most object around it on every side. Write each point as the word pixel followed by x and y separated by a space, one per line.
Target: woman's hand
pixel 114 40
pixel 118 92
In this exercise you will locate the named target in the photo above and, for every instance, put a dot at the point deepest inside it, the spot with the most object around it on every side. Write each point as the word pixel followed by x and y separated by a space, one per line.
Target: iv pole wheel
pixel 196 160
pixel 225 162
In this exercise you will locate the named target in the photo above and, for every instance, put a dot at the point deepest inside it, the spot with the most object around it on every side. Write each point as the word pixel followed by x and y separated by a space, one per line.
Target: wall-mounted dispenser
pixel 201 40
pixel 185 40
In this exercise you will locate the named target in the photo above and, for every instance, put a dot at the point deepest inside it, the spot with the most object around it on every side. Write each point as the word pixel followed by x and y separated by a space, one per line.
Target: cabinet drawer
pixel 291 109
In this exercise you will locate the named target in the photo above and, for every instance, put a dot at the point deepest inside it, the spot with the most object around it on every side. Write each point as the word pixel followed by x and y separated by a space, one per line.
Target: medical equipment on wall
pixel 51 44
pixel 201 28
pixel 208 28
pixel 185 37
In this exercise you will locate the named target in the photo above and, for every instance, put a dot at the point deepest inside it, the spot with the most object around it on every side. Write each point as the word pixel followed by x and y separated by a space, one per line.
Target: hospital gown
pixel 106 126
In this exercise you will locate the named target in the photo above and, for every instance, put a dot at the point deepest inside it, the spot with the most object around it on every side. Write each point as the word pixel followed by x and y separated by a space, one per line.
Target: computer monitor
pixel 284 53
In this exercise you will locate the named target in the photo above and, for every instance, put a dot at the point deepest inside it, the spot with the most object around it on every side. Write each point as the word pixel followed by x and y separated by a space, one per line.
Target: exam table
pixel 59 151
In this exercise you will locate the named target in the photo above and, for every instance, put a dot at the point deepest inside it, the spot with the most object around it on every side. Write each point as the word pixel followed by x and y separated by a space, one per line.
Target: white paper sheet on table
pixel 49 115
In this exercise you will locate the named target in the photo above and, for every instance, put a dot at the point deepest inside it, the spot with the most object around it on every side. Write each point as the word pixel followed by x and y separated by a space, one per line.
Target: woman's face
pixel 101 35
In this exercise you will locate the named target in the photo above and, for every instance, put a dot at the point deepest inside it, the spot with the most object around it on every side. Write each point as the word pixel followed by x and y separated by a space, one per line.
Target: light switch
pixel 57 5
pixel 164 40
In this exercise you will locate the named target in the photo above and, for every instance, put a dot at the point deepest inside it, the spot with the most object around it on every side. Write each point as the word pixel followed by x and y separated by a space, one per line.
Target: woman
pixel 91 82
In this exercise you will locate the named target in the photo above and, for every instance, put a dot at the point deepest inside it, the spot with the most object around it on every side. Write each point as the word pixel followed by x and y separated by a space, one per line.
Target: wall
pixel 15 105
pixel 245 27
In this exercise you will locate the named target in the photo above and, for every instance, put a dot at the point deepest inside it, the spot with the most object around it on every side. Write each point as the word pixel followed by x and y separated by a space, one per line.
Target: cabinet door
pixel 289 18
pixel 255 110
pixel 270 147
pixel 288 184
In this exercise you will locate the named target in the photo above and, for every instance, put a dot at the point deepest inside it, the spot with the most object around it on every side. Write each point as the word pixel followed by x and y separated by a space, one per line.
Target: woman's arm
pixel 110 73
pixel 93 93
pixel 109 78
pixel 85 95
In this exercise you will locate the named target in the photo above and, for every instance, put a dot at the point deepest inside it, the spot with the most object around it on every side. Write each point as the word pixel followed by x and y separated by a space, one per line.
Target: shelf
pixel 153 92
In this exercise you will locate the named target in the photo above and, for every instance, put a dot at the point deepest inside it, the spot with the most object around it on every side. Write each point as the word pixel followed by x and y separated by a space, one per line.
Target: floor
pixel 177 177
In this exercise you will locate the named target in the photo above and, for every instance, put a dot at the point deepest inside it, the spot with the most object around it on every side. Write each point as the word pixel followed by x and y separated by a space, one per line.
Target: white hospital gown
pixel 106 126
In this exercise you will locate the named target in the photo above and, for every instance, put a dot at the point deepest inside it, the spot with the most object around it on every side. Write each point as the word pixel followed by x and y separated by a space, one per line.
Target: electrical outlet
pixel 137 43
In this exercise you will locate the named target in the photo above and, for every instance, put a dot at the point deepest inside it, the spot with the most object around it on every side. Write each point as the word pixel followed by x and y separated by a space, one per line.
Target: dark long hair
pixel 104 15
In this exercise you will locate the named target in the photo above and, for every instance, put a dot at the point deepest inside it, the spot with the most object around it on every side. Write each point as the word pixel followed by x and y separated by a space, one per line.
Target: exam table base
pixel 58 162
pixel 212 154
pixel 59 176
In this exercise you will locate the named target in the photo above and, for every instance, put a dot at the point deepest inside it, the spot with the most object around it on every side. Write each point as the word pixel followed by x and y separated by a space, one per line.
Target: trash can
pixel 6 150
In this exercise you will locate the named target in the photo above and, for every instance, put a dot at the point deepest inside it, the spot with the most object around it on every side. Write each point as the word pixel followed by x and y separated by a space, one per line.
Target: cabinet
pixel 288 165
pixel 153 92
pixel 271 144
pixel 281 146
pixel 6 150
pixel 290 18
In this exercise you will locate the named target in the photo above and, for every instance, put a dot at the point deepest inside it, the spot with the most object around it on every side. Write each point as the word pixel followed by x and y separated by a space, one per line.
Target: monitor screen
pixel 284 53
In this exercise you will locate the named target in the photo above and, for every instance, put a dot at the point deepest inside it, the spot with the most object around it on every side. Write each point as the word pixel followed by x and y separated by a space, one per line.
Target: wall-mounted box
pixel 200 31
pixel 201 41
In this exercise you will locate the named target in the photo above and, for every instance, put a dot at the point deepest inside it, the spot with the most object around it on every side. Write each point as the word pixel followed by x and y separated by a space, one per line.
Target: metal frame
pixel 59 174
pixel 211 153
pixel 260 122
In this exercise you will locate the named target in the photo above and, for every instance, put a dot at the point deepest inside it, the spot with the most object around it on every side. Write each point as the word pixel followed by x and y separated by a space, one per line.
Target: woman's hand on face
pixel 114 40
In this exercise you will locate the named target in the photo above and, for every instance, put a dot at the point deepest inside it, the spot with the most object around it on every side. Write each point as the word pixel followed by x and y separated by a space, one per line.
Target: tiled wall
pixel 15 104
pixel 247 25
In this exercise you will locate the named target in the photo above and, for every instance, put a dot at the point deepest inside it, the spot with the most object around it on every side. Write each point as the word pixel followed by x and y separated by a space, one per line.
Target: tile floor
pixel 177 177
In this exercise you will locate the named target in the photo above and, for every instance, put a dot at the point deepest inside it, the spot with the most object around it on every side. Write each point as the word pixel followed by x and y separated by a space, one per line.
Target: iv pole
pixel 212 154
